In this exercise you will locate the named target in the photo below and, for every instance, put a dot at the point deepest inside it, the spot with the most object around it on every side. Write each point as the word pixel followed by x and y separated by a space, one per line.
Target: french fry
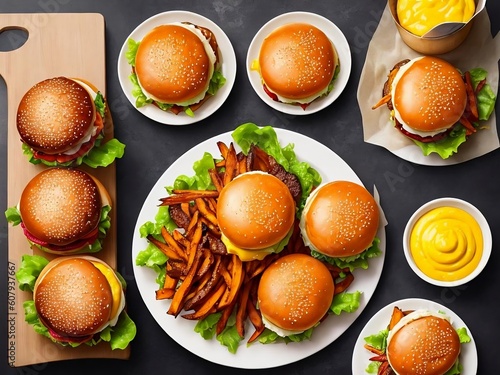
pixel 344 283
pixel 164 248
pixel 237 276
pixel 208 304
pixel 186 209
pixel 396 316
pixel 216 180
pixel 183 290
pixel 207 288
pixel 182 241
pixel 223 149
pixel 241 313
pixel 174 245
pixel 222 322
pixel 231 165
pixel 206 211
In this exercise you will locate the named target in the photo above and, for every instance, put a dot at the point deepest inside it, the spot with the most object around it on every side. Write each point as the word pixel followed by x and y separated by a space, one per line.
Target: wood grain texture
pixel 71 45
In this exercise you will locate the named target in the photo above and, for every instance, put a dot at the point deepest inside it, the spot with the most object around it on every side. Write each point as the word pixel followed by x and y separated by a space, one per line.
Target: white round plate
pixel 361 356
pixel 467 207
pixel 226 56
pixel 335 35
pixel 331 167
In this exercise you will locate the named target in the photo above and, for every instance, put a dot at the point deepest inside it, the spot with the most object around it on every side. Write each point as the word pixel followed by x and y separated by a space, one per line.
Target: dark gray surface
pixel 152 147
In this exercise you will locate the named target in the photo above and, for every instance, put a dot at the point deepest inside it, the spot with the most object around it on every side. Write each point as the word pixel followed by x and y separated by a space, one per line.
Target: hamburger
pixel 76 300
pixel 423 343
pixel 256 213
pixel 339 224
pixel 175 67
pixel 294 294
pixel 61 123
pixel 436 105
pixel 63 211
pixel 298 64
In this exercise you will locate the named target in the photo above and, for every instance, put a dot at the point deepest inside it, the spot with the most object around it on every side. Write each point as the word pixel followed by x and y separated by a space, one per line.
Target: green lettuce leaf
pixel 100 104
pixel 13 216
pixel 133 46
pixel 29 270
pixel 153 258
pixel 120 335
pixel 230 338
pixel 200 180
pixel 378 340
pixel 270 337
pixel 357 261
pixel 206 327
pixel 463 335
pixel 345 302
pixel 457 369
pixel 104 154
pixel 266 138
pixel 217 81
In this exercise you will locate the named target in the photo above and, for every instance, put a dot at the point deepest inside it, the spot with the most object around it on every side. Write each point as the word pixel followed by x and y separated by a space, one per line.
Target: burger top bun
pixel 174 64
pixel 297 61
pixel 423 343
pixel 55 115
pixel 255 210
pixel 61 205
pixel 295 292
pixel 73 297
pixel 340 219
pixel 429 94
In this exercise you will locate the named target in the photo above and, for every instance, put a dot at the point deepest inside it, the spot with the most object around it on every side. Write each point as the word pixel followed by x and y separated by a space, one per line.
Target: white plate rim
pixel 335 35
pixel 256 356
pixel 227 60
pixel 452 202
pixel 361 356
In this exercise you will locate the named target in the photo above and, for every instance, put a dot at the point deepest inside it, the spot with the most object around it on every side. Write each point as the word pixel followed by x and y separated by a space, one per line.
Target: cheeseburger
pixel 63 211
pixel 61 123
pixel 340 220
pixel 297 63
pixel 256 212
pixel 76 299
pixel 423 343
pixel 434 104
pixel 294 294
pixel 176 67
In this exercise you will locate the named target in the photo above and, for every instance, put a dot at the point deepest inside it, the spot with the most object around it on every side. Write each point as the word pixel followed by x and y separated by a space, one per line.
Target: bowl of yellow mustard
pixel 434 27
pixel 447 242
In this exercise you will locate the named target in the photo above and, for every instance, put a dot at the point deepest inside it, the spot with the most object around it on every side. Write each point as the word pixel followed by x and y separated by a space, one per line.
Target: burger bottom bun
pixel 295 292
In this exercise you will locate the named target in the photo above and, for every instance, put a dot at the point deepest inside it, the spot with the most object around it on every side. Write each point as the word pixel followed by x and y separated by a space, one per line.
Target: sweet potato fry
pixel 206 211
pixel 254 315
pixel 385 99
pixel 397 315
pixel 206 263
pixel 237 276
pixel 164 293
pixel 241 313
pixel 186 209
pixel 182 241
pixel 207 288
pixel 192 224
pixel 208 304
pixel 186 196
pixel 231 165
pixel 164 248
pixel 216 180
pixel 344 283
pixel 256 334
pixel 183 290
pixel 194 245
pixel 226 314
pixel 223 149
pixel 373 350
pixel 174 245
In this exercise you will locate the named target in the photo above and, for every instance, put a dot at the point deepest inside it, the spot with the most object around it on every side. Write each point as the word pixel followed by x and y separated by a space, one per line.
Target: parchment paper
pixel 387 48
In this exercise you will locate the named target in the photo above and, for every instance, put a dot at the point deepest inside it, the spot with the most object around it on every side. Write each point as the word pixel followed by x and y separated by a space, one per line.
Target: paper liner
pixel 387 48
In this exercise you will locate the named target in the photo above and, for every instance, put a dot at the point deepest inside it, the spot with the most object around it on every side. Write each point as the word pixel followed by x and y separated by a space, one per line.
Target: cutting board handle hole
pixel 12 38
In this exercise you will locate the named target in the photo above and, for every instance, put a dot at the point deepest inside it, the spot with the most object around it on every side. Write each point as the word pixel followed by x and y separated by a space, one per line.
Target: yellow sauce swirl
pixel 420 16
pixel 446 244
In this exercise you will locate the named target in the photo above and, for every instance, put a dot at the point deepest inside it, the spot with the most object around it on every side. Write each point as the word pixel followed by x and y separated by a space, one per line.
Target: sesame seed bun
pixel 423 343
pixel 255 211
pixel 295 292
pixel 60 206
pixel 55 115
pixel 428 95
pixel 174 64
pixel 340 219
pixel 77 297
pixel 297 62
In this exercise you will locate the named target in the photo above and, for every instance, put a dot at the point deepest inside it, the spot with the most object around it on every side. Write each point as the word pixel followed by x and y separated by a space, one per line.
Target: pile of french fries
pixel 201 280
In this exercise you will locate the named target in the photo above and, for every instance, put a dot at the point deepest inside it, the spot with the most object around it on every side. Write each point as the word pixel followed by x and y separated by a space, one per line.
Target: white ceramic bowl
pixel 449 202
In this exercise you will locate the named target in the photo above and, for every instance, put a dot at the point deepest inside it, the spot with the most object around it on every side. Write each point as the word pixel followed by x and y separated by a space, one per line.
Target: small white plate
pixel 449 202
pixel 226 56
pixel 361 356
pixel 335 35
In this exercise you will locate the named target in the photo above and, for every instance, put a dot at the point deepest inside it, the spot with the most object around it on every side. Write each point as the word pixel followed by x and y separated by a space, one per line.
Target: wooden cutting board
pixel 71 45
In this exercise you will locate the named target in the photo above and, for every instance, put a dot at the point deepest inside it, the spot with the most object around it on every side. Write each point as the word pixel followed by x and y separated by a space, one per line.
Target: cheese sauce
pixel 420 16
pixel 446 244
